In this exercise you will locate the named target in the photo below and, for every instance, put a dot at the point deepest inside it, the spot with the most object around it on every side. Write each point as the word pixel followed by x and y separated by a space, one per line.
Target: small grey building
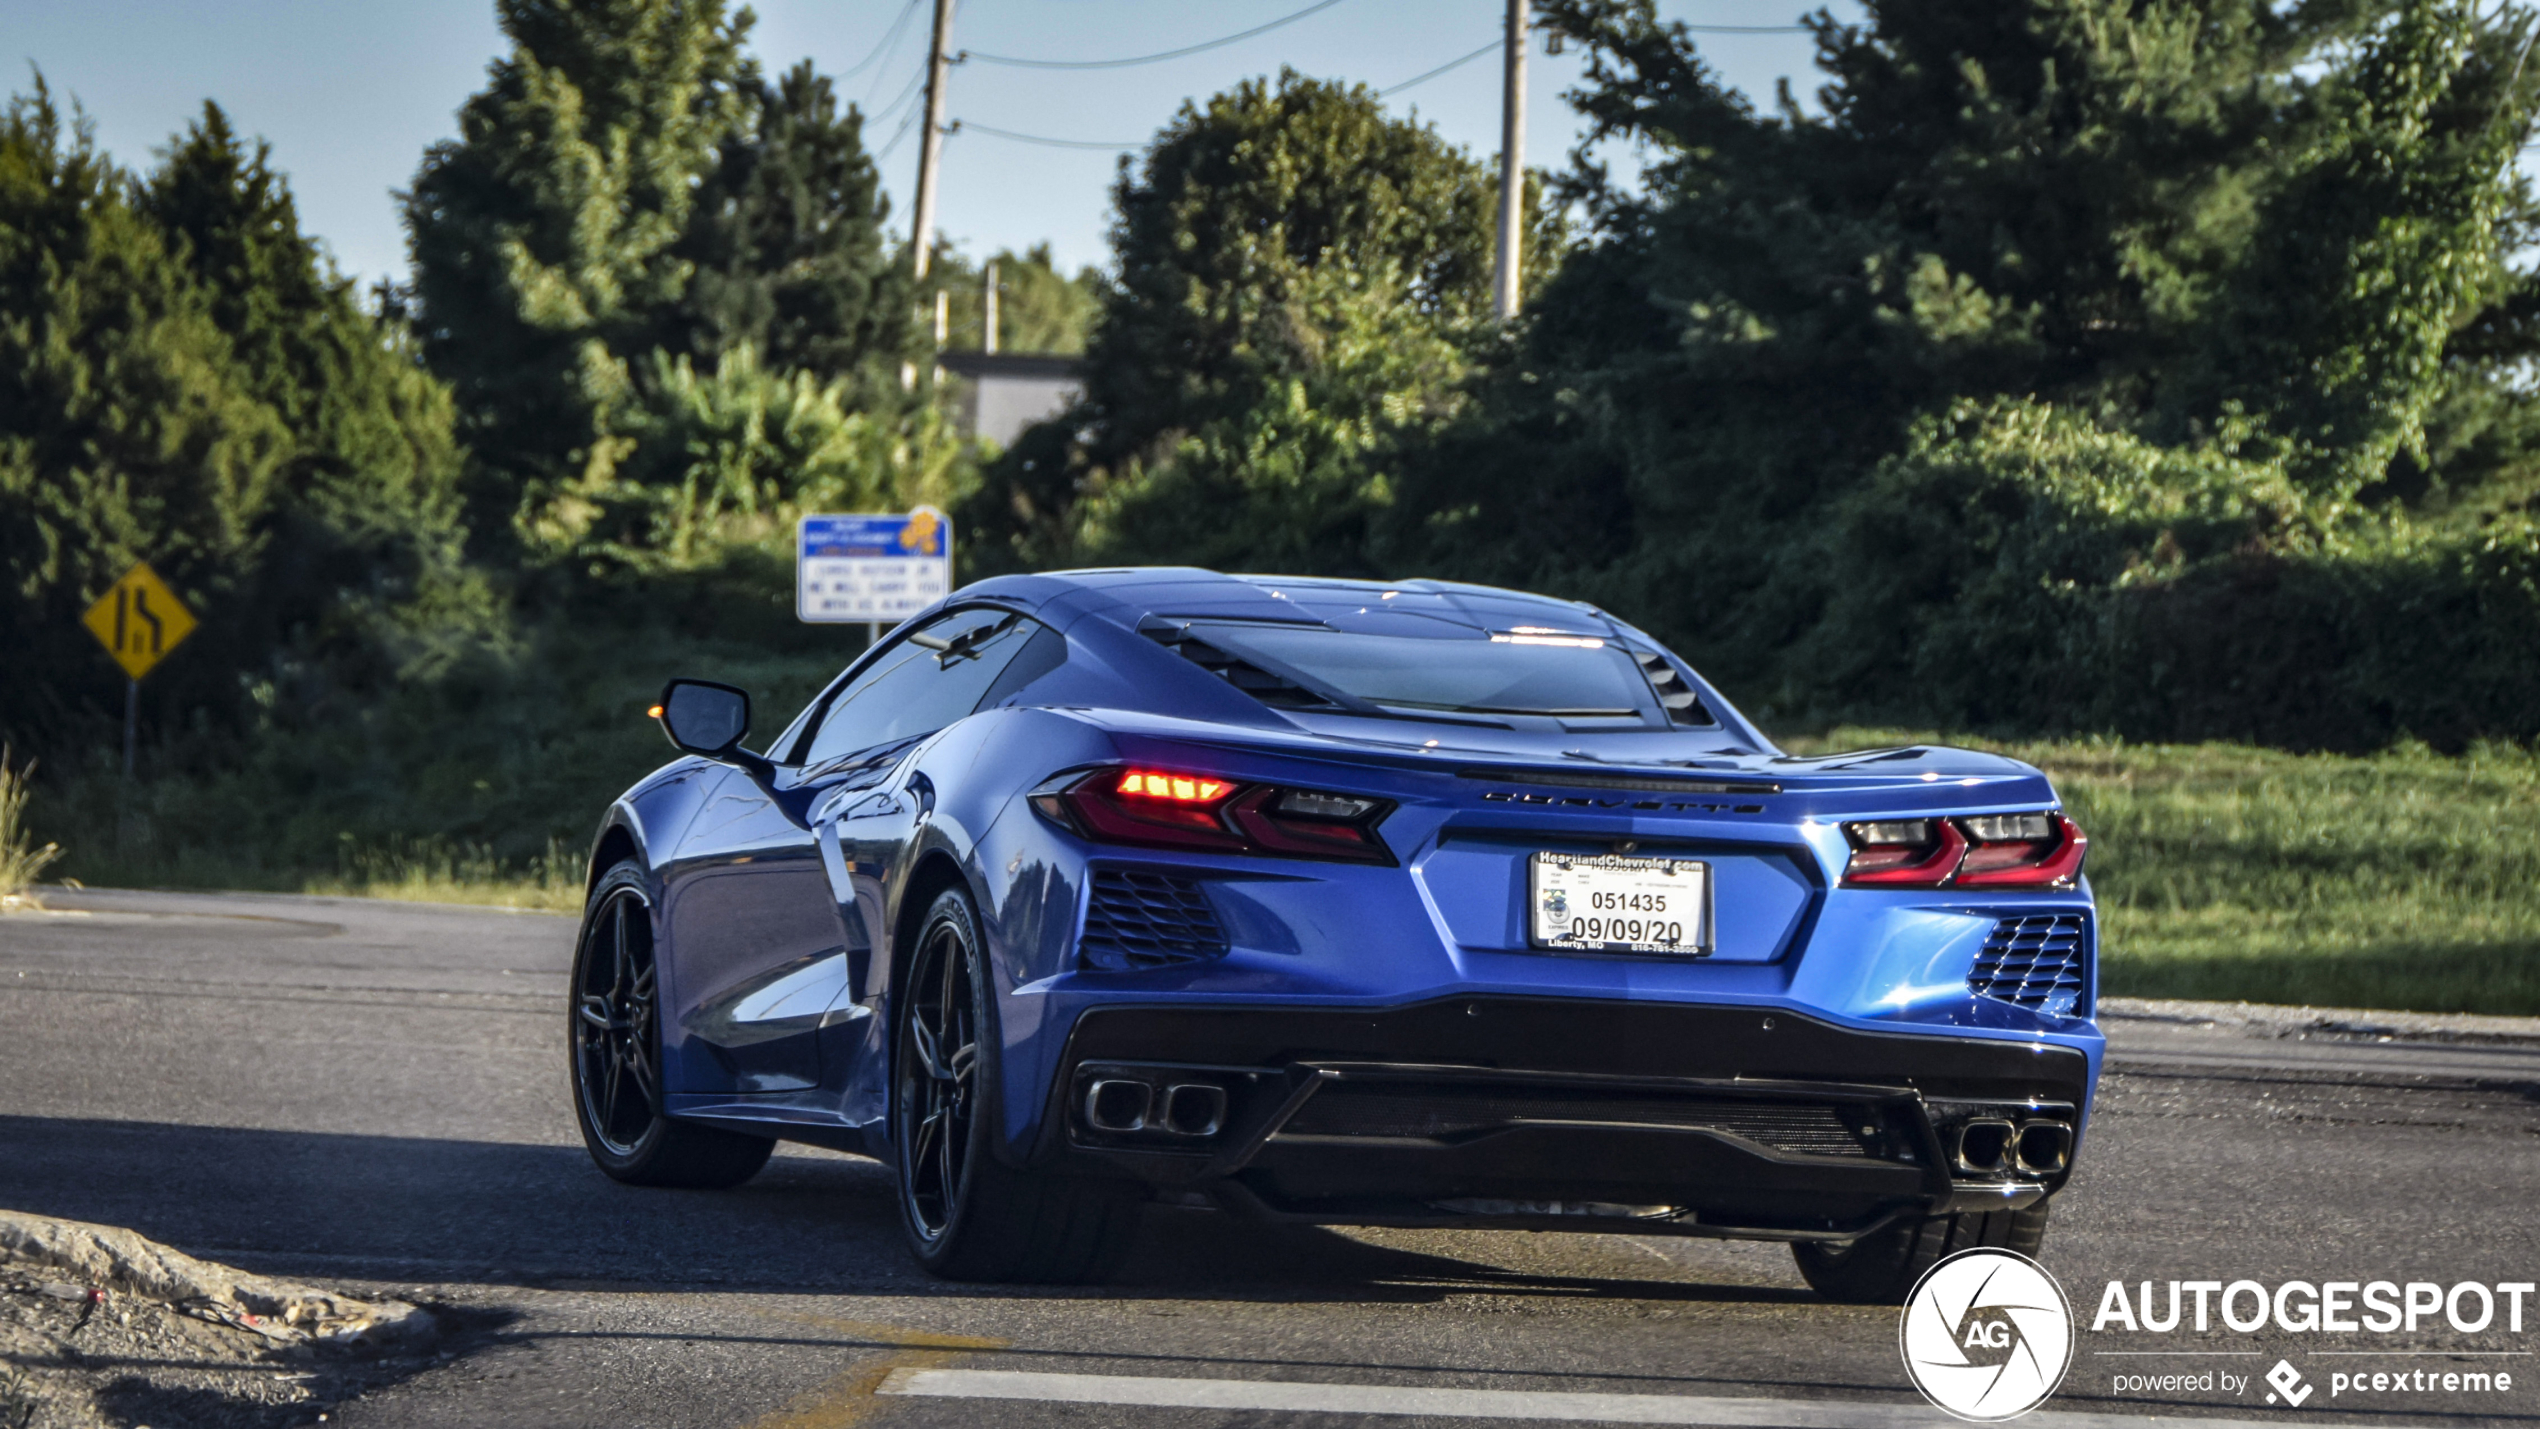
pixel 1001 393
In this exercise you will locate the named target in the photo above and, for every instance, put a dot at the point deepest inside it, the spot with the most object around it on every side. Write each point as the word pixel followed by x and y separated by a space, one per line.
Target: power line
pixel 1441 69
pixel 883 114
pixel 890 42
pixel 964 125
pixel 889 38
pixel 897 135
pixel 1148 59
pixel 1747 29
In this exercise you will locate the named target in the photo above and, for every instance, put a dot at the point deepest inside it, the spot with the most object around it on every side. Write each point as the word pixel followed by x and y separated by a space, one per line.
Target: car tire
pixel 1880 1268
pixel 614 1048
pixel 966 1214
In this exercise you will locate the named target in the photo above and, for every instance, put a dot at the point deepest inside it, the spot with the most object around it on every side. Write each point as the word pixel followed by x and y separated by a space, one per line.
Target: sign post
pixel 139 620
pixel 878 568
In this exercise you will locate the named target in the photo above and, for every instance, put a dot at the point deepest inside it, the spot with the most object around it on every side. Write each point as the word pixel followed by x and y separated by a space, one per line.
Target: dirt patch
pixel 101 1326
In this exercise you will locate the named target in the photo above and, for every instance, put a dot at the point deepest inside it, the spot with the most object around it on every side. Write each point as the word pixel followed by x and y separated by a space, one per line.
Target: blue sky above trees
pixel 349 95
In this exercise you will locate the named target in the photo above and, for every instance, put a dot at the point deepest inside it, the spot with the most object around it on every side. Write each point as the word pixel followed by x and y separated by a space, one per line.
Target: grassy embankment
pixel 484 785
pixel 2404 879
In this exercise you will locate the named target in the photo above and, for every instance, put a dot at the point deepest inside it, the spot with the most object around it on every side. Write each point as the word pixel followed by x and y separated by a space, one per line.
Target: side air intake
pixel 2040 962
pixel 1142 919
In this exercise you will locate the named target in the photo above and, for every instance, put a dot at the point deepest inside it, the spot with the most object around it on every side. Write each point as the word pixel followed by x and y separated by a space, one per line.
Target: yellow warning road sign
pixel 139 620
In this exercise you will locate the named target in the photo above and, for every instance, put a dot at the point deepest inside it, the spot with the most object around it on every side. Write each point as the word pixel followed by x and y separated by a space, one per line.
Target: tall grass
pixel 21 858
pixel 2404 879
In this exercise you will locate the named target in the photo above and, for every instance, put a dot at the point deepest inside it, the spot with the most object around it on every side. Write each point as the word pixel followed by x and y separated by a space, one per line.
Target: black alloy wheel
pixel 616 1051
pixel 614 1008
pixel 968 1215
pixel 939 1074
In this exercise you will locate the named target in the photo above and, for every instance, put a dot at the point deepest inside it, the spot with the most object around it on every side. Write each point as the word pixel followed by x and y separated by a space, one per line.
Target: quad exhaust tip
pixel 1118 1105
pixel 1985 1145
pixel 2044 1147
pixel 1990 1146
pixel 1194 1109
pixel 1121 1106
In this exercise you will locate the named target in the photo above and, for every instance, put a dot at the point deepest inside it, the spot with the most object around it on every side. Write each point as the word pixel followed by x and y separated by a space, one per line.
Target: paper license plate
pixel 1618 904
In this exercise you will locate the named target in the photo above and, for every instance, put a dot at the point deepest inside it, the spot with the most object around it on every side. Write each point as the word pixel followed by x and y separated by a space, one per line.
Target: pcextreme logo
pixel 1986 1335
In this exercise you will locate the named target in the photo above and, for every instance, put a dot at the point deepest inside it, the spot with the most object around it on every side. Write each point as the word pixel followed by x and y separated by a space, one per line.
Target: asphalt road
pixel 372 1094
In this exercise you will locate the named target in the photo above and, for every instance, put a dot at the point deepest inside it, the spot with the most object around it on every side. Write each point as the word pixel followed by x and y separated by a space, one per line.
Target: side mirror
pixel 702 717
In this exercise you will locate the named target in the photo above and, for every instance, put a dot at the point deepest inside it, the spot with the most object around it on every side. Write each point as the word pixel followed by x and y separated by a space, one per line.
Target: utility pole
pixel 930 145
pixel 1512 162
pixel 988 308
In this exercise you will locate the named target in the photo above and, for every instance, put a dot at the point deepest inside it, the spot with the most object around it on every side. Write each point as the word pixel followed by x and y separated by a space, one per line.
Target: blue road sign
pixel 875 567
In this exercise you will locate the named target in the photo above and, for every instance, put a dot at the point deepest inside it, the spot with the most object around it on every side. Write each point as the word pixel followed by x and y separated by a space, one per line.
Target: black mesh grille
pixel 1261 684
pixel 1138 919
pixel 2039 961
pixel 1445 1111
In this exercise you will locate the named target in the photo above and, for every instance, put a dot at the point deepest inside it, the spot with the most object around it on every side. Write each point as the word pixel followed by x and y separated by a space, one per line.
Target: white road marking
pixel 1314 1397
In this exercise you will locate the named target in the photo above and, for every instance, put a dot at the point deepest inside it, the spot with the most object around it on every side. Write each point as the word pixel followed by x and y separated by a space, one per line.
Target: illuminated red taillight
pixel 1982 851
pixel 1172 809
pixel 1180 788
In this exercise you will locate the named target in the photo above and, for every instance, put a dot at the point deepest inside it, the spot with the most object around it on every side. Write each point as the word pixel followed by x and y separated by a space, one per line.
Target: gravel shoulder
pixel 101 1326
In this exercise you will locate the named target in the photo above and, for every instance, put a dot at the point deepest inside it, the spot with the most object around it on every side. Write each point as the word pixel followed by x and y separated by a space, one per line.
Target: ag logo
pixel 1986 1335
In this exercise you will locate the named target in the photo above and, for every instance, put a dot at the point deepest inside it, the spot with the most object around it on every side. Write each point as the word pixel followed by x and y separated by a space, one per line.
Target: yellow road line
pixel 849 1398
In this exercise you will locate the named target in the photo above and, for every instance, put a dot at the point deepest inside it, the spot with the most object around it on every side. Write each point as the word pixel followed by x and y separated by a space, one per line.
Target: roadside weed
pixel 21 858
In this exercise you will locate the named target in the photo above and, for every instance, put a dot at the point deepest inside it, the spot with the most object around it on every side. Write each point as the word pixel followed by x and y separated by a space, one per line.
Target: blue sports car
pixel 1412 904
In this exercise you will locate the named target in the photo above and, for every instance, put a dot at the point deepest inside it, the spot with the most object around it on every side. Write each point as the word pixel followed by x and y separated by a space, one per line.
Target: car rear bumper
pixel 1560 1113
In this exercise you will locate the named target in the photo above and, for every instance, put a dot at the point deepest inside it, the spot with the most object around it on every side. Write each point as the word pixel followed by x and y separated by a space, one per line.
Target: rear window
pixel 1509 673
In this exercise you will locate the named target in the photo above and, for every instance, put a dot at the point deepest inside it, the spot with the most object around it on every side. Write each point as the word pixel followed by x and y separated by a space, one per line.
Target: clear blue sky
pixel 350 93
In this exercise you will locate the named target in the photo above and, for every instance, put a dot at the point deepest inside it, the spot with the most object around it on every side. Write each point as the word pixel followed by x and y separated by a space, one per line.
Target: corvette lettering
pixel 1585 801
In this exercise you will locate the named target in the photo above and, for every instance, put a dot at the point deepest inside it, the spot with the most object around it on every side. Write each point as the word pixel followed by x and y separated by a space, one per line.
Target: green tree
pixel 547 238
pixel 1039 308
pixel 2169 219
pixel 787 244
pixel 368 492
pixel 183 381
pixel 1299 275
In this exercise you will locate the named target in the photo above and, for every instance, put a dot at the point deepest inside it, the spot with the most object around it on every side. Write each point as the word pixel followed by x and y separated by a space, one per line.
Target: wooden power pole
pixel 988 309
pixel 1512 162
pixel 930 145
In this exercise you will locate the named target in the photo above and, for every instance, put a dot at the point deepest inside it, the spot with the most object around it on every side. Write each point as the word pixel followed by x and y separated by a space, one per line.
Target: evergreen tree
pixel 546 238
pixel 787 243
pixel 182 381
pixel 369 488
pixel 2177 219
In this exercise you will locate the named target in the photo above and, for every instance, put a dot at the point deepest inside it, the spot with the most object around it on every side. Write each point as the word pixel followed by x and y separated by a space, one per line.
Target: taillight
pixel 2023 851
pixel 1904 853
pixel 1982 851
pixel 1171 809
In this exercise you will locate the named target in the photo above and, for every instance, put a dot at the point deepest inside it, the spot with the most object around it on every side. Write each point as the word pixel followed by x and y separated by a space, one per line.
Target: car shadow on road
pixel 413 1209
